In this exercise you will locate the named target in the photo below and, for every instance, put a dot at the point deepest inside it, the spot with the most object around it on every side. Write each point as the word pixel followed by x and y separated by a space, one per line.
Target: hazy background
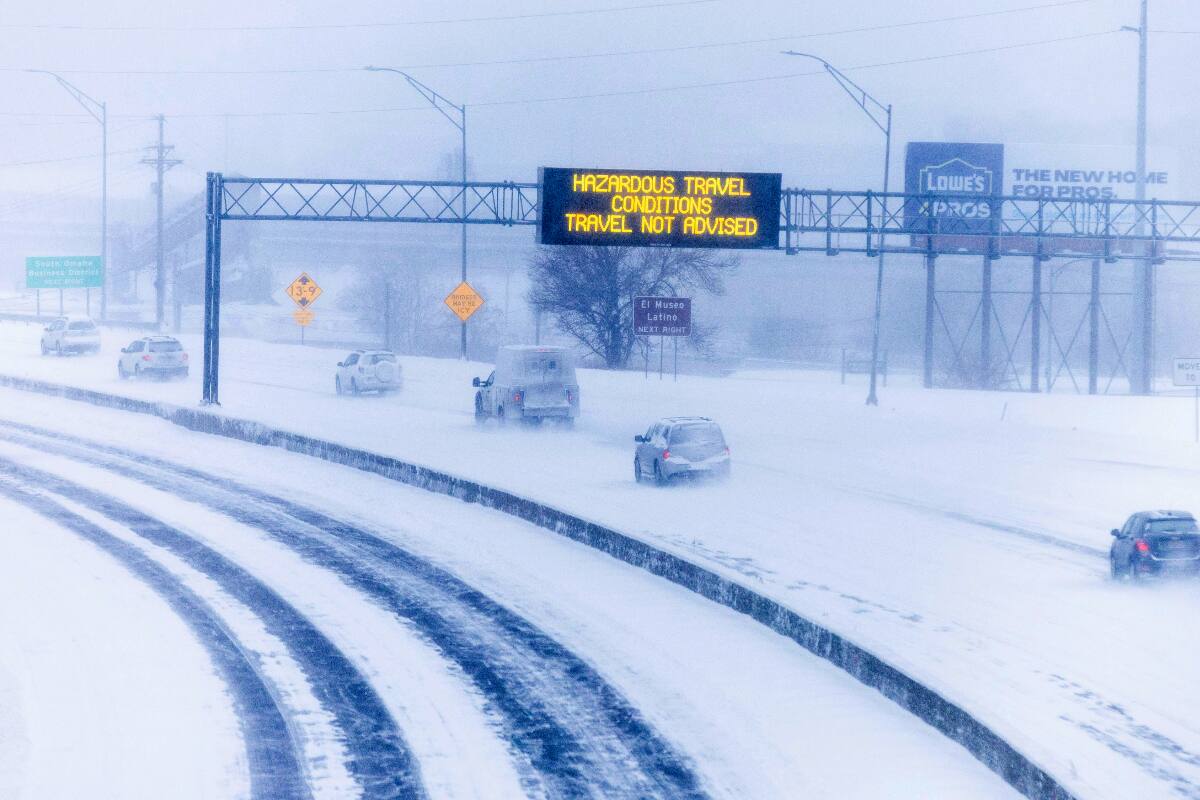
pixel 243 95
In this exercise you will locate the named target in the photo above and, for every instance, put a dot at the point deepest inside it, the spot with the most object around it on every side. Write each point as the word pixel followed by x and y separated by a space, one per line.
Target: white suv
pixel 158 356
pixel 368 371
pixel 71 335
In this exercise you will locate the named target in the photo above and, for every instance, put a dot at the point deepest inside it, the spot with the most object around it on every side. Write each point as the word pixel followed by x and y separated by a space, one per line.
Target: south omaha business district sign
pixel 662 316
pixel 659 209
pixel 64 272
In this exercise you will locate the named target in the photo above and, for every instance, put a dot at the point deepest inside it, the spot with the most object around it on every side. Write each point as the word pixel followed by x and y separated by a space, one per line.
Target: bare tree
pixel 589 291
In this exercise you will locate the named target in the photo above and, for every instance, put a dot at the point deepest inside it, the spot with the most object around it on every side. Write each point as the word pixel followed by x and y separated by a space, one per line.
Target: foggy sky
pixel 1078 91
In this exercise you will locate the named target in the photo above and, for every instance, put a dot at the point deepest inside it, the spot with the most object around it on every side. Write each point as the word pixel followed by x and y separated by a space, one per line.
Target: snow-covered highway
pixel 410 645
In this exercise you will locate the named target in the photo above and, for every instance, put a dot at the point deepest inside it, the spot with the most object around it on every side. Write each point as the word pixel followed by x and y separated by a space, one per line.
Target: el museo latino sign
pixel 662 316
pixel 64 272
pixel 657 208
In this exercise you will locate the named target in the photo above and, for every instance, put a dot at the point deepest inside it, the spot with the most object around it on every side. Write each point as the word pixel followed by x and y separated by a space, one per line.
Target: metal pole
pixel 675 342
pixel 1094 330
pixel 1196 408
pixel 60 302
pixel 1035 329
pixel 985 325
pixel 37 293
pixel 1144 283
pixel 463 109
pixel 104 212
pixel 661 351
pixel 160 273
pixel 872 396
pixel 1050 333
pixel 930 306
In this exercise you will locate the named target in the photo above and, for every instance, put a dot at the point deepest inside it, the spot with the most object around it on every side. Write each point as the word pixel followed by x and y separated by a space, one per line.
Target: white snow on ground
pixel 918 528
pixel 759 716
pixel 104 693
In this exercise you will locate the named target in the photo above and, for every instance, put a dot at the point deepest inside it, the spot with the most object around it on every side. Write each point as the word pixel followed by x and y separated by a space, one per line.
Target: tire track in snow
pixel 379 759
pixel 579 734
pixel 274 758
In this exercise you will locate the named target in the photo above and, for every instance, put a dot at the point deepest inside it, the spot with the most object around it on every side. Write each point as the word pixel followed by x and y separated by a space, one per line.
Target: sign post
pixel 663 317
pixel 63 272
pixel 304 291
pixel 464 301
pixel 1187 373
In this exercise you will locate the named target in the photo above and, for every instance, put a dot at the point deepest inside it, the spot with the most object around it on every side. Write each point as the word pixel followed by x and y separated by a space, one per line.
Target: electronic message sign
pixel 648 208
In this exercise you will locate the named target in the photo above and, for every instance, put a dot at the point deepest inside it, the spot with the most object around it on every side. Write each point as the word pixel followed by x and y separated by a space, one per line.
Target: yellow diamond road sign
pixel 304 291
pixel 464 301
pixel 303 316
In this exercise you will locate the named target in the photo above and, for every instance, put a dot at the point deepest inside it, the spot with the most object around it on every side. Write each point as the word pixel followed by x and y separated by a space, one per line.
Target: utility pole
pixel 1143 279
pixel 161 164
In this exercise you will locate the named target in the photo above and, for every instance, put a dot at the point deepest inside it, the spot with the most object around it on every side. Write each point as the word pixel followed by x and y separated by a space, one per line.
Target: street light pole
pixel 881 116
pixel 1143 290
pixel 99 112
pixel 441 104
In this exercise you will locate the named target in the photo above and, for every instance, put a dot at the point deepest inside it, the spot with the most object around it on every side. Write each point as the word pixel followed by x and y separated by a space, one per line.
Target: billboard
pixel 960 182
pixel 64 272
pixel 662 316
pixel 652 208
pixel 1089 172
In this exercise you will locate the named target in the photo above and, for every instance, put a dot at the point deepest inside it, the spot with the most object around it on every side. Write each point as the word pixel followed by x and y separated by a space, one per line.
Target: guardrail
pixel 950 719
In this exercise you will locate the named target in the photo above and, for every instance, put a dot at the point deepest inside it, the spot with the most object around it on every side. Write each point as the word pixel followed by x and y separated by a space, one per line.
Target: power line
pixel 359 25
pixel 578 56
pixel 63 159
pixel 615 93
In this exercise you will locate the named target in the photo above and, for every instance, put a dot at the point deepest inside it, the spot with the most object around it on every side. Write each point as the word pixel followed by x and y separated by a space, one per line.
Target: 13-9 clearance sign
pixel 666 209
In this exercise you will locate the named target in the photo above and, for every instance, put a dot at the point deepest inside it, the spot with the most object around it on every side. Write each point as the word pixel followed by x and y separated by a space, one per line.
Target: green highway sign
pixel 64 272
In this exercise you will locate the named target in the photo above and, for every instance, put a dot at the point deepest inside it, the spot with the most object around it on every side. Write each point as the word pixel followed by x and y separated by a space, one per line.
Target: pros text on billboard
pixel 650 208
pixel 957 186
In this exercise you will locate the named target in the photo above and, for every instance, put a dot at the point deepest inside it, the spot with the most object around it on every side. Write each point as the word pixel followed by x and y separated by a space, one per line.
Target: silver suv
pixel 368 371
pixel 71 335
pixel 153 356
pixel 681 446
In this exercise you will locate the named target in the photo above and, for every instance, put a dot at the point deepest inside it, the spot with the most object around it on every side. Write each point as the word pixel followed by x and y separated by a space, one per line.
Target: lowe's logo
pixel 956 176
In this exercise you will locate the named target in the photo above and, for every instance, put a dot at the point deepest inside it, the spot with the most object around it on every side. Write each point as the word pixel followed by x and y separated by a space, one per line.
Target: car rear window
pixel 700 433
pixel 547 367
pixel 82 326
pixel 381 358
pixel 165 347
pixel 1180 525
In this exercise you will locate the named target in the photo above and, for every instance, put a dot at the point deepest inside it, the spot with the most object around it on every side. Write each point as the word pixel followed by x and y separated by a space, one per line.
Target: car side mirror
pixel 640 439
pixel 341 364
pixel 1115 532
pixel 475 382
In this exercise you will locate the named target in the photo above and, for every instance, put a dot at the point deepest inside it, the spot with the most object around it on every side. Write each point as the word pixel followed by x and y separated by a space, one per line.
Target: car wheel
pixel 501 420
pixel 337 384
pixel 480 416
pixel 1114 570
pixel 659 478
pixel 1131 572
pixel 137 371
pixel 637 470
pixel 58 349
pixel 353 386
pixel 45 350
pixel 121 371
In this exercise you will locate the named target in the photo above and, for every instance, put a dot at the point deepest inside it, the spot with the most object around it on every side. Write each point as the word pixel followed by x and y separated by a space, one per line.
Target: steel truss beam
pixel 319 200
pixel 832 221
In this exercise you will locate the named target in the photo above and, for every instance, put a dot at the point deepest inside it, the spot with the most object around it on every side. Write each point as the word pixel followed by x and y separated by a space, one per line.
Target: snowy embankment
pixel 958 535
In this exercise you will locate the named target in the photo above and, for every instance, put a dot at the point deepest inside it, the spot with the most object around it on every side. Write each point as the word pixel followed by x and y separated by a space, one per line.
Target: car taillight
pixel 185 356
pixel 1142 546
pixel 146 357
pixel 516 397
pixel 726 451
pixel 570 396
pixel 666 455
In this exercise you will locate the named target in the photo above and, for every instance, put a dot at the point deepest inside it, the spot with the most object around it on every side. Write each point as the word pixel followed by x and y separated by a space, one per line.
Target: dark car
pixel 1156 543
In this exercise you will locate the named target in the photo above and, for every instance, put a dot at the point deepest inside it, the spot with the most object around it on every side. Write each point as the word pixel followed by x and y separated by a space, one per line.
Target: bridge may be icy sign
pixel 653 208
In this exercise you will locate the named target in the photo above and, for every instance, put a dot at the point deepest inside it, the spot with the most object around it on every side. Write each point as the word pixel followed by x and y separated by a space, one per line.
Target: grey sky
pixel 1080 90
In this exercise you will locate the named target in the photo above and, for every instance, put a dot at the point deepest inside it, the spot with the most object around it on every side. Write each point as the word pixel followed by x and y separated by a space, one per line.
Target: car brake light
pixel 666 455
pixel 726 451
pixel 516 397
pixel 145 358
pixel 1142 546
pixel 185 356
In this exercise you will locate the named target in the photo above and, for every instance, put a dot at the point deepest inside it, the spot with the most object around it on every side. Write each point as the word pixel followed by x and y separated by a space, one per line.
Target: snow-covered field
pixel 959 535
